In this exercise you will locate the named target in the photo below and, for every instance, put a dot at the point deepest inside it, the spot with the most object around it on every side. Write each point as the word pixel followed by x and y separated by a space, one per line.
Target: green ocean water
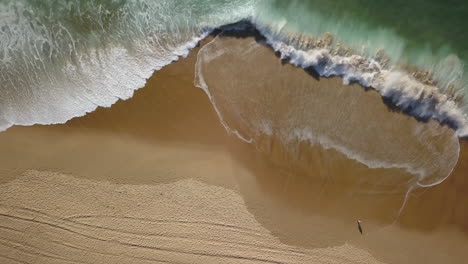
pixel 423 24
pixel 420 33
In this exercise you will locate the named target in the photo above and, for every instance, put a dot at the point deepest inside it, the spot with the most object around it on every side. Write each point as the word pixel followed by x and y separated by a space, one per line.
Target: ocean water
pixel 63 59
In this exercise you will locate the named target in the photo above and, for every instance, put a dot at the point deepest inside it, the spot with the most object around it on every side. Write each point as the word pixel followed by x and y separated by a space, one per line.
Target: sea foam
pixel 60 60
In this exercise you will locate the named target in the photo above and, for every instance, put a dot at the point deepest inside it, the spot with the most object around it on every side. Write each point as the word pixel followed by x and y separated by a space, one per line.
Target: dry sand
pixel 156 179
pixel 55 218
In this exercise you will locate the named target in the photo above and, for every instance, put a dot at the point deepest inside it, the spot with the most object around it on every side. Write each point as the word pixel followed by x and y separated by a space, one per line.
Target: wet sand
pixel 157 179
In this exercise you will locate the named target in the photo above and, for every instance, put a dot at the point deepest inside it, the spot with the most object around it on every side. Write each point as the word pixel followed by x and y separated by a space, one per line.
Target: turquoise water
pixel 420 33
pixel 61 59
pixel 432 24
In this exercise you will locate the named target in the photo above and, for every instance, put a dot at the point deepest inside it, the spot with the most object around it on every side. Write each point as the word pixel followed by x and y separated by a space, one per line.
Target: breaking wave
pixel 415 97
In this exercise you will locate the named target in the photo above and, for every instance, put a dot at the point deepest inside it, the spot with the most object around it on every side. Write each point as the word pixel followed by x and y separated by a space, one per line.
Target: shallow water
pixel 261 100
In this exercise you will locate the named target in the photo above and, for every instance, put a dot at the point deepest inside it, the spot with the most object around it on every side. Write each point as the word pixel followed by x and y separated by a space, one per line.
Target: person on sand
pixel 359 226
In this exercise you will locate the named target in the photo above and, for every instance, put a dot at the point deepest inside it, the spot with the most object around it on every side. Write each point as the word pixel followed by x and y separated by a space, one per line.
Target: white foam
pixel 106 77
pixel 54 68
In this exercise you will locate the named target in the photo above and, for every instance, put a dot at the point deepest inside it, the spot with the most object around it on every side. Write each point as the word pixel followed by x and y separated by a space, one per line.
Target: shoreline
pixel 428 99
pixel 167 141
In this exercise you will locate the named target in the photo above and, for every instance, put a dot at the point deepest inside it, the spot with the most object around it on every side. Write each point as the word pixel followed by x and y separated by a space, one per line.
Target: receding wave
pixel 258 99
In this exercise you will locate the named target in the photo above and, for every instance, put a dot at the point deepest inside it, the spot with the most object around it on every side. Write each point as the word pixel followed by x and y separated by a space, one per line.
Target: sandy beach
pixel 156 179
